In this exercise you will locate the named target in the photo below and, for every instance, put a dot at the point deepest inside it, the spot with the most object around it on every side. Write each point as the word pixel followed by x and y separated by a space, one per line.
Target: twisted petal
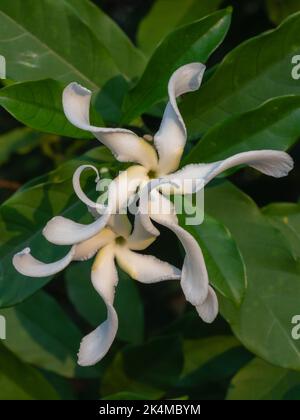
pixel 171 137
pixel 145 268
pixel 140 238
pixel 95 345
pixel 27 265
pixel 194 277
pixel 87 249
pixel 63 231
pixel 209 309
pixel 124 144
pixel 269 162
pixel 120 224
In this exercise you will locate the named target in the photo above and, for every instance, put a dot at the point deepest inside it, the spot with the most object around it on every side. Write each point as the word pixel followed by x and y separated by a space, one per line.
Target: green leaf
pixel 90 306
pixel 211 360
pixel 19 381
pixel 193 42
pixel 257 70
pixel 46 338
pixel 24 215
pixel 128 58
pixel 149 369
pixel 20 140
pixel 39 105
pixel 263 323
pixel 223 259
pixel 286 218
pixel 273 125
pixel 278 10
pixel 166 15
pixel 259 380
pixel 46 39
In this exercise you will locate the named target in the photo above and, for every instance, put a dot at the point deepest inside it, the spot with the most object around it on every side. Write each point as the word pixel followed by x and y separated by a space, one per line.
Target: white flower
pixel 113 243
pixel 161 164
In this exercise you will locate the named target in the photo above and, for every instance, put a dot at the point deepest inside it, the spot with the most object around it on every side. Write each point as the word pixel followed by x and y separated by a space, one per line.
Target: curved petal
pixel 120 224
pixel 194 278
pixel 171 137
pixel 27 265
pixel 95 345
pixel 63 231
pixel 124 144
pixel 209 309
pixel 87 249
pixel 145 268
pixel 140 238
pixel 269 162
pixel 152 202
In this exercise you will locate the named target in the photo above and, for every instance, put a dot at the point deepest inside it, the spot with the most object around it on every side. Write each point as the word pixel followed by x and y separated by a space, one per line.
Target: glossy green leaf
pixel 128 58
pixel 19 381
pixel 90 306
pixel 166 15
pixel 192 42
pixel 286 218
pixel 24 215
pixel 257 70
pixel 39 332
pixel 39 105
pixel 19 140
pixel 259 380
pixel 211 360
pixel 274 125
pixel 223 259
pixel 278 10
pixel 46 39
pixel 149 369
pixel 263 323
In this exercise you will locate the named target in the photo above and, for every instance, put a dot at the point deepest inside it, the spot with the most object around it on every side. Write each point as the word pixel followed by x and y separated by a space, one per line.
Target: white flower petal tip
pixel 78 89
pixel 209 309
pixel 95 345
pixel 277 164
pixel 29 266
pixel 63 231
pixel 186 79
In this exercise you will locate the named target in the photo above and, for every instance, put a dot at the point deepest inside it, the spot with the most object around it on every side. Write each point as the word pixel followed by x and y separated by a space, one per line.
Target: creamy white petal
pixel 152 202
pixel 194 278
pixel 140 238
pixel 63 231
pixel 27 265
pixel 120 224
pixel 171 137
pixel 209 309
pixel 87 249
pixel 79 192
pixel 124 144
pixel 269 162
pixel 145 268
pixel 95 345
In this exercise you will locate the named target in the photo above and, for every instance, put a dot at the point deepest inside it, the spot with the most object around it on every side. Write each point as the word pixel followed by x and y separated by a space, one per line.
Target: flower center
pixel 120 240
pixel 152 174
